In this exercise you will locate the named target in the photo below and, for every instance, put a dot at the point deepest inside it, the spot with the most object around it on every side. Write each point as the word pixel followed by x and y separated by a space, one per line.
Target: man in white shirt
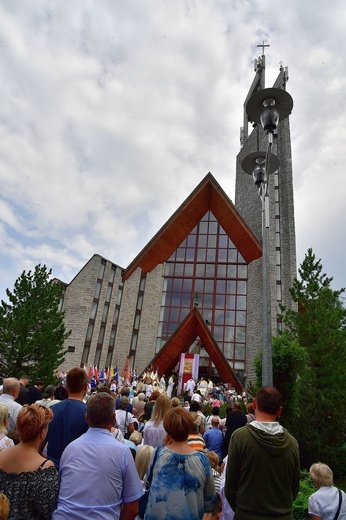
pixel 197 397
pixel 190 386
pixel 11 388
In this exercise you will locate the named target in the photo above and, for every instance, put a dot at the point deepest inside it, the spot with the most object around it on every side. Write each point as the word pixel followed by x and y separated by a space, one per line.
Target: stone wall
pixel 146 347
pixel 77 306
pixel 126 318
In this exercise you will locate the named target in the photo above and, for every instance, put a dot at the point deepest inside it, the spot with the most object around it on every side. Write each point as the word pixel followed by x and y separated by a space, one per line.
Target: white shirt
pixel 154 435
pixel 324 503
pixel 13 410
pixel 121 418
pixel 190 386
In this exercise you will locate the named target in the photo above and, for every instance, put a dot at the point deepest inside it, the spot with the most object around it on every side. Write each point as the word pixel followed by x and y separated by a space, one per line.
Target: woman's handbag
pixel 144 498
pixel 340 500
pixel 127 434
pixel 141 416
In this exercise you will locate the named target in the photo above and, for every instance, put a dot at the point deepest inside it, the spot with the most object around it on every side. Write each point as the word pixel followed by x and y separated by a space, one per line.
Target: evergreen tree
pixel 32 330
pixel 319 326
pixel 290 362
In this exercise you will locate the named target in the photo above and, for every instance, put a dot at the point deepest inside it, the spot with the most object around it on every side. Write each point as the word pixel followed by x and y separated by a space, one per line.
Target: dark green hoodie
pixel 263 472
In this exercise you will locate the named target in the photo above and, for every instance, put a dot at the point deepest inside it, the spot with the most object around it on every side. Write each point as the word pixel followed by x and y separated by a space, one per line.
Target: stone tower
pixel 281 247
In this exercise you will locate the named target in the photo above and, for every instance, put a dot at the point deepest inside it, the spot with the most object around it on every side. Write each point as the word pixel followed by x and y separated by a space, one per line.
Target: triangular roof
pixel 208 195
pixel 192 327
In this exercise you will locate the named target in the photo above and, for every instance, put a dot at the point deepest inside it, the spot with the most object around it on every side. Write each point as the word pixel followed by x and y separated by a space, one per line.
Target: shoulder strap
pixel 43 463
pixel 338 511
pixel 150 476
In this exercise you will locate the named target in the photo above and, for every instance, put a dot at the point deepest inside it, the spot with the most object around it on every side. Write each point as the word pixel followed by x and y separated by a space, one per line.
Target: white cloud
pixel 112 112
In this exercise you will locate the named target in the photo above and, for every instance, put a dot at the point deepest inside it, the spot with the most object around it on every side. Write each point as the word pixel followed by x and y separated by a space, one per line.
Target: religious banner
pixel 188 367
pixel 126 372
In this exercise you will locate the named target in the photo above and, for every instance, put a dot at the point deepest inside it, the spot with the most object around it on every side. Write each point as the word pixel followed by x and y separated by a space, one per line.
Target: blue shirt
pixel 214 439
pixel 67 425
pixel 97 475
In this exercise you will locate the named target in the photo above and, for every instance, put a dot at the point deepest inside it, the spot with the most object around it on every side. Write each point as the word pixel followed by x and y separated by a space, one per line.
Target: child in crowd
pixel 218 508
pixel 214 462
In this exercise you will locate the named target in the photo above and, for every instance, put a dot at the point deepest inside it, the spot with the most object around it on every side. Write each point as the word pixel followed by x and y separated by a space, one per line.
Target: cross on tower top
pixel 263 45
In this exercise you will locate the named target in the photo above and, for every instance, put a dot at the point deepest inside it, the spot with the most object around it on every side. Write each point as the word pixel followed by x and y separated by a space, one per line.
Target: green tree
pixel 32 330
pixel 290 362
pixel 319 326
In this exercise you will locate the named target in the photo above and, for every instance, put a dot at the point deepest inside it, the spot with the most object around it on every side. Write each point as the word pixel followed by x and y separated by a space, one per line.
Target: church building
pixel 196 287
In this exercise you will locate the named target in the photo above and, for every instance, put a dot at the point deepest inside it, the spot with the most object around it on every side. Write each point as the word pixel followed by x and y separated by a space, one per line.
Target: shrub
pixel 300 505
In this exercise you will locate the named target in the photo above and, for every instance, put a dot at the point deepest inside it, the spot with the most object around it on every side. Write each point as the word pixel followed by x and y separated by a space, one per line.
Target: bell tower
pixel 281 252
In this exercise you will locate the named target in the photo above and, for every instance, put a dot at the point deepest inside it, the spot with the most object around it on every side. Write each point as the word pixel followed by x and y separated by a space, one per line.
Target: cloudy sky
pixel 112 111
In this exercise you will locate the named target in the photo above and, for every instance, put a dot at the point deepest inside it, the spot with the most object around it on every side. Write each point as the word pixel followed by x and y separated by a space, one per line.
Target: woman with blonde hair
pixel 182 484
pixel 5 442
pixel 142 460
pixel 328 502
pixel 154 433
pixel 175 402
pixel 30 481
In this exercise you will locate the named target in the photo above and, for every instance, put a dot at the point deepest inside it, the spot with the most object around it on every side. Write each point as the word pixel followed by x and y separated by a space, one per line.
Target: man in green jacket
pixel 263 471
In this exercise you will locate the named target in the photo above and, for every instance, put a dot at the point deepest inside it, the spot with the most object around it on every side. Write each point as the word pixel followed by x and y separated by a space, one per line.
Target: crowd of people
pixel 133 451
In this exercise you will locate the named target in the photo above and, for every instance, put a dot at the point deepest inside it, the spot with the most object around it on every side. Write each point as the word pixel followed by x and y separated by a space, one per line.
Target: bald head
pixel 215 422
pixel 11 386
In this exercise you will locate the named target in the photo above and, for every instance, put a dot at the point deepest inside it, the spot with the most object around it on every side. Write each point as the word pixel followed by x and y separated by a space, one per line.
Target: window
pixel 207 264
pixel 111 277
pixel 101 269
pixel 89 333
pixel 105 313
pixel 101 335
pixel 93 310
pixel 108 293
pixel 97 291
pixel 119 295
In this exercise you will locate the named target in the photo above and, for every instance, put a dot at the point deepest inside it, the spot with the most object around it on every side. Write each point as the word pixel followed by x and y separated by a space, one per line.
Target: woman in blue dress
pixel 182 483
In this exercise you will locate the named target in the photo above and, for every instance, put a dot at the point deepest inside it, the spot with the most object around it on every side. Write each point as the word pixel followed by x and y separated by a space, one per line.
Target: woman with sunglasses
pixel 30 481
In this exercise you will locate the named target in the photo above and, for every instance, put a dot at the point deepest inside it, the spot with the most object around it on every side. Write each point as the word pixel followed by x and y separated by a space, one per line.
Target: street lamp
pixel 266 107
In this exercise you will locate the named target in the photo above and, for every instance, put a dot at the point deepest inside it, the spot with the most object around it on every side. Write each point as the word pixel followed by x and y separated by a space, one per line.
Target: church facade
pixel 197 285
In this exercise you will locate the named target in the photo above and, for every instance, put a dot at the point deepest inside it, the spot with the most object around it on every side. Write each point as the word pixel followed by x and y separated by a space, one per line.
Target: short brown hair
pixel 31 420
pixel 178 423
pixel 213 459
pixel 104 388
pixel 100 409
pixel 76 379
pixel 124 401
pixel 250 408
pixel 155 395
pixel 268 400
